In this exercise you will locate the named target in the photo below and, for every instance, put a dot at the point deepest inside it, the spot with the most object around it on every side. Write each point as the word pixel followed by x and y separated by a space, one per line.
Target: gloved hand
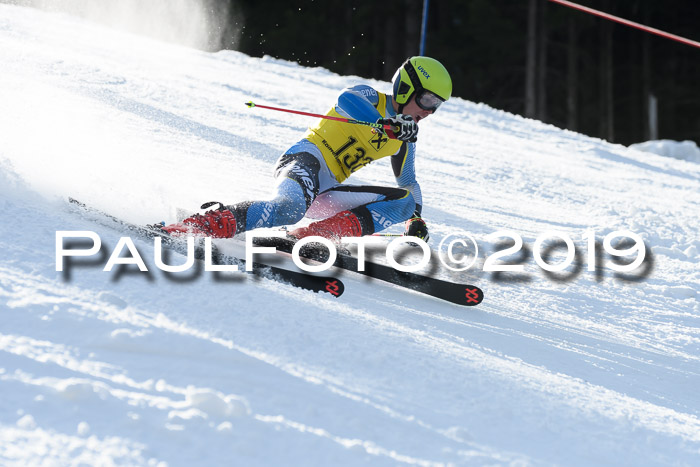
pixel 415 227
pixel 405 129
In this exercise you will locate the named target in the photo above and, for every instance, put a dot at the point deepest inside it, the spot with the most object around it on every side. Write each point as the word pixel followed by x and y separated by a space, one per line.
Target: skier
pixel 310 174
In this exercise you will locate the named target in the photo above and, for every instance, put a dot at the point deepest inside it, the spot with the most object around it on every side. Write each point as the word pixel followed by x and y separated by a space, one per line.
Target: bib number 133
pixel 353 162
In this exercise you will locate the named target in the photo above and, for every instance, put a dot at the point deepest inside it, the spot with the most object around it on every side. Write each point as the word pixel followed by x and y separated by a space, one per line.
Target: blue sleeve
pixel 404 165
pixel 358 103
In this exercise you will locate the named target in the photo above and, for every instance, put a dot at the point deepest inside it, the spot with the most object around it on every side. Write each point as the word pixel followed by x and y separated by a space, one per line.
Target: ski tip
pixel 250 104
pixel 335 287
pixel 473 296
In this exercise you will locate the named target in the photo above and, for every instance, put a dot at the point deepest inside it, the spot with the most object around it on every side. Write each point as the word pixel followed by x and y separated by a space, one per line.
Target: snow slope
pixel 136 368
pixel 684 150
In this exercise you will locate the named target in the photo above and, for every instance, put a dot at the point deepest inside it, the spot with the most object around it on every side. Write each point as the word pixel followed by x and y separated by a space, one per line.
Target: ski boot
pixel 217 223
pixel 343 224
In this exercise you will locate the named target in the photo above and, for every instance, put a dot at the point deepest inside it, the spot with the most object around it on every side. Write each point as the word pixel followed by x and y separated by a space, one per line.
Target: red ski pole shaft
pixel 251 104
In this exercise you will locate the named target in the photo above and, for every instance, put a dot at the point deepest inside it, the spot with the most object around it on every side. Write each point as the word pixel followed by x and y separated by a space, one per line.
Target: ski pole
pixel 251 104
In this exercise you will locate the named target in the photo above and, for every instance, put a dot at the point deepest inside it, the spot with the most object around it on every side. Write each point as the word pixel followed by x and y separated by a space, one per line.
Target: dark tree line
pixel 530 57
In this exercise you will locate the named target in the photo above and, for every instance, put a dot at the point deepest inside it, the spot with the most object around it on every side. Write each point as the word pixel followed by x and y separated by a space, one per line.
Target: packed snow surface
pixel 577 367
pixel 684 150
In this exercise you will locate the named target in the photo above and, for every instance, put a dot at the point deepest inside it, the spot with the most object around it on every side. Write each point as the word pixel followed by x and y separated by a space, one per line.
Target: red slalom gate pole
pixel 251 104
pixel 627 22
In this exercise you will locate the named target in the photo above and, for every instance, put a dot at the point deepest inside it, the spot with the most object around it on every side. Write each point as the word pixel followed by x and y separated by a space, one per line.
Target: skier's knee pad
pixel 302 169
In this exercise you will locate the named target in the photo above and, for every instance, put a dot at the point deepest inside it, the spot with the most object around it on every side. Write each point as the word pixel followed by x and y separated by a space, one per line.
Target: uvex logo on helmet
pixel 422 70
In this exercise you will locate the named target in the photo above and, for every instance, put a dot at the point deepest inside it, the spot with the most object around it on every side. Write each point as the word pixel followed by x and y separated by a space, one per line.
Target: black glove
pixel 404 128
pixel 415 227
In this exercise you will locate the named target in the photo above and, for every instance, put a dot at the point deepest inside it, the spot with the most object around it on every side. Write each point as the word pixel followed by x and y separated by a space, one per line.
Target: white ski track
pixel 142 370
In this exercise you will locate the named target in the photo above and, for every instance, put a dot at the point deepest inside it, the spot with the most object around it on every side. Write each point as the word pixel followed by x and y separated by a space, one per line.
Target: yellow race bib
pixel 348 147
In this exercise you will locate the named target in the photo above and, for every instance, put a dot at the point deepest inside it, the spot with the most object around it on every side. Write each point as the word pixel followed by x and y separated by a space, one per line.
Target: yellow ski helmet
pixel 426 78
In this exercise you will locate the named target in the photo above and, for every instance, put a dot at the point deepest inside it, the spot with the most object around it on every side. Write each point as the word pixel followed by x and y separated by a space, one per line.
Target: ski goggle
pixel 426 100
